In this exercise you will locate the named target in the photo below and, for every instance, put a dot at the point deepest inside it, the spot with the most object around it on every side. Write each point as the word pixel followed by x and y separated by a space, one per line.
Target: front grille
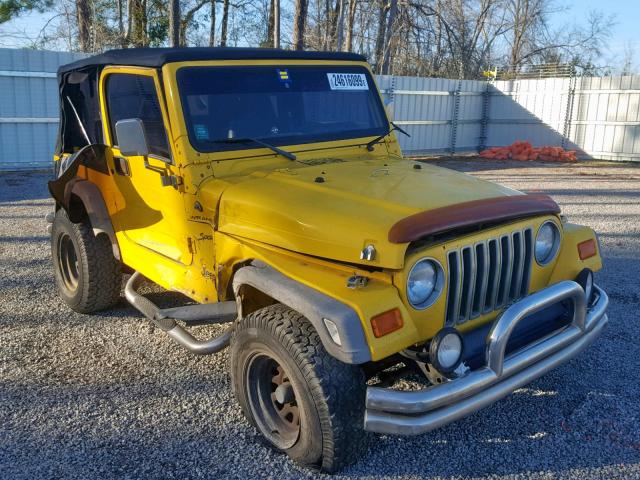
pixel 488 275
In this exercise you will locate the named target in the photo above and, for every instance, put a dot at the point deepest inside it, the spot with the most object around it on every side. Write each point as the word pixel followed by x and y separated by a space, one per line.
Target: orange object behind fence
pixel 525 152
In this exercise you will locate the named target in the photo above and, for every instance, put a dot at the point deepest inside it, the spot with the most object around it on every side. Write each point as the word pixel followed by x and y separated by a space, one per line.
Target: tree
pixel 300 23
pixel 383 8
pixel 276 23
pixel 175 29
pixel 138 23
pixel 386 56
pixel 212 24
pixel 351 17
pixel 225 23
pixel 10 9
pixel 187 19
pixel 83 16
pixel 532 40
pixel 339 25
pixel 444 38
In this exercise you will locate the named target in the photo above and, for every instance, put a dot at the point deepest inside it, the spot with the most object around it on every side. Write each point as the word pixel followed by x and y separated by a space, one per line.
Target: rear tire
pixel 87 275
pixel 303 401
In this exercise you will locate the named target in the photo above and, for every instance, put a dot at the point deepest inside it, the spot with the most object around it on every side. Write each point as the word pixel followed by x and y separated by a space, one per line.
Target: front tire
pixel 304 402
pixel 87 275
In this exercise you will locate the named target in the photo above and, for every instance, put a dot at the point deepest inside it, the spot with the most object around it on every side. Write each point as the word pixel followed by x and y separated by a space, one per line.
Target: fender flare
pixel 314 305
pixel 90 196
pixel 68 183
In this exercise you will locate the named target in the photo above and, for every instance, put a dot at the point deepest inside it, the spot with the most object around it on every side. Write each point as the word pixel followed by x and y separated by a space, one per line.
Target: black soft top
pixel 157 57
pixel 80 119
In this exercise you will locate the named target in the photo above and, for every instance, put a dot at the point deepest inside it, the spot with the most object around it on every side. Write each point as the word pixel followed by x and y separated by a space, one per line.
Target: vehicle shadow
pixel 23 187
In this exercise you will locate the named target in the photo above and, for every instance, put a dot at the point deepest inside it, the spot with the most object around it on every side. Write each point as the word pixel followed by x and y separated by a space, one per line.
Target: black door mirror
pixel 131 138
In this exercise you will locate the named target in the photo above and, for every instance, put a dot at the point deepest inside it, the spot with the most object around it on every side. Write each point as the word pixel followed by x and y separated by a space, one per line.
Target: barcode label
pixel 347 81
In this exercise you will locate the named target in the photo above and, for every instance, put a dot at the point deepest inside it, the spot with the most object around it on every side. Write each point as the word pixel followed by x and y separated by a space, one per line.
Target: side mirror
pixel 132 140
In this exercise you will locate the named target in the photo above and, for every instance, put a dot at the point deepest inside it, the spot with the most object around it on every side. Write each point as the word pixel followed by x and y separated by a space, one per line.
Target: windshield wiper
pixel 273 148
pixel 378 139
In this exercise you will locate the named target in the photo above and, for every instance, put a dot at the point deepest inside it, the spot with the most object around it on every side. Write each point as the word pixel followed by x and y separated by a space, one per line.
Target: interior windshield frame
pixel 211 146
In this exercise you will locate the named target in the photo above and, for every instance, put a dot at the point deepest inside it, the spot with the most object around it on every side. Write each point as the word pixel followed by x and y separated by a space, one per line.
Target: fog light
pixel 445 351
pixel 585 280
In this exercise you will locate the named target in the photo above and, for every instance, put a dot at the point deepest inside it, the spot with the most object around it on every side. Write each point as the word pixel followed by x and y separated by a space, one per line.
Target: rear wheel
pixel 87 274
pixel 304 402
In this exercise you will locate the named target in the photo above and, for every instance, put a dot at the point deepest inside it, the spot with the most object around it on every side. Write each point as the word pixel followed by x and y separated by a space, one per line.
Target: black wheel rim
pixel 272 399
pixel 68 262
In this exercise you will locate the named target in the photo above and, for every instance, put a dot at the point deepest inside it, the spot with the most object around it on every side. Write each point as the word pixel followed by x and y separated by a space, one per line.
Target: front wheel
pixel 303 401
pixel 87 274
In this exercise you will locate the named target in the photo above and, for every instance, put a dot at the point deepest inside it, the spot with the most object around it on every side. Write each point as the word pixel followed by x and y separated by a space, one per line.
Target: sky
pixel 625 34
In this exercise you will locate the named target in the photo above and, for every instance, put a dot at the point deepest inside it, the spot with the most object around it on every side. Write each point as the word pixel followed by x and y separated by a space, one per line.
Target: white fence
pixel 29 106
pixel 600 117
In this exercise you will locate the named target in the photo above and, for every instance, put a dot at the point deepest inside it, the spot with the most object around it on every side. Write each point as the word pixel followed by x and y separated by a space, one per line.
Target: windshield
pixel 279 105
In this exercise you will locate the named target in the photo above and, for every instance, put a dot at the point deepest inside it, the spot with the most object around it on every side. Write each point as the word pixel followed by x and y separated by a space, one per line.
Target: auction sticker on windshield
pixel 347 81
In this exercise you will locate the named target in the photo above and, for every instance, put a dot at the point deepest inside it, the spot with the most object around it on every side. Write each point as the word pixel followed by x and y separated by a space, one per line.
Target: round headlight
pixel 547 243
pixel 424 283
pixel 445 351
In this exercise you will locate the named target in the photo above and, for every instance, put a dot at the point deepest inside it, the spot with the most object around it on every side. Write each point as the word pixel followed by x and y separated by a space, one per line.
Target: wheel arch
pixel 83 197
pixel 275 287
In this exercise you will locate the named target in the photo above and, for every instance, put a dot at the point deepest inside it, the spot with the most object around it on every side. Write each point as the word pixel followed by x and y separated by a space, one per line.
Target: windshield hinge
pixel 171 180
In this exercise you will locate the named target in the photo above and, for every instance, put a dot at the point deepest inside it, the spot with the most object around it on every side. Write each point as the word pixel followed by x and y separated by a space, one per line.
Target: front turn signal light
pixel 587 249
pixel 387 322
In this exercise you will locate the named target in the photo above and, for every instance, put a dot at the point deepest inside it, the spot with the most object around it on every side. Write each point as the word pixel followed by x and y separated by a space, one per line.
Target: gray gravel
pixel 106 396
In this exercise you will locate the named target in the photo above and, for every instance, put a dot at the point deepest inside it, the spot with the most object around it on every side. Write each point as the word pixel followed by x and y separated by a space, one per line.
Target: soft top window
pixel 134 96
pixel 79 111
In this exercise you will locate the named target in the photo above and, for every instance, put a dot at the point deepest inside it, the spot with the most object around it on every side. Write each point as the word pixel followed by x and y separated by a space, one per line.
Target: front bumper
pixel 415 412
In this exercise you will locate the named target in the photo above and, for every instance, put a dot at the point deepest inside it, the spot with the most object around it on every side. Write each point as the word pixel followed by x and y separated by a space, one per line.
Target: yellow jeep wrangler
pixel 268 187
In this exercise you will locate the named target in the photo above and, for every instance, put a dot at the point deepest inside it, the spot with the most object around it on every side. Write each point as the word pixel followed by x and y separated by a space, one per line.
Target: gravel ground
pixel 107 396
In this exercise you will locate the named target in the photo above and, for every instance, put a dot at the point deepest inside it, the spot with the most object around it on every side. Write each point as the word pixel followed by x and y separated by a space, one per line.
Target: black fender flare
pixel 314 305
pixel 96 208
pixel 68 185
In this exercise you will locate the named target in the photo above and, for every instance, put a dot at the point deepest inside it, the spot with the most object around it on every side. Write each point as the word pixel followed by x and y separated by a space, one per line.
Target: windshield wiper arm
pixel 273 148
pixel 378 139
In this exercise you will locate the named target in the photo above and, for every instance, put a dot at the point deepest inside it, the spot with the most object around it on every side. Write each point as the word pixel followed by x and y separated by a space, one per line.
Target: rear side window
pixel 134 96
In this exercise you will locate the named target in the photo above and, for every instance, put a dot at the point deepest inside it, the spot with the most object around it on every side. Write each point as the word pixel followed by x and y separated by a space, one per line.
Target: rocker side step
pixel 203 313
pixel 200 314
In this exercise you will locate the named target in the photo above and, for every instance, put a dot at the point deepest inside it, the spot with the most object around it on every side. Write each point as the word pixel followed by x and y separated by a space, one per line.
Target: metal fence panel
pixel 599 117
pixel 606 117
pixel 29 106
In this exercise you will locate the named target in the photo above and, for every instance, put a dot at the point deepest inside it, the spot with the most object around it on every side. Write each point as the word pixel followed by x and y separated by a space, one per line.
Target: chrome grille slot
pixel 468 281
pixel 518 264
pixel 453 299
pixel 506 248
pixel 488 275
pixel 528 257
pixel 482 279
pixel 494 275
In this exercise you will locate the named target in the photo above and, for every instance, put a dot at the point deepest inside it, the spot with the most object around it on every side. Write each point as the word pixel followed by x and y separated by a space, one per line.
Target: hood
pixel 334 210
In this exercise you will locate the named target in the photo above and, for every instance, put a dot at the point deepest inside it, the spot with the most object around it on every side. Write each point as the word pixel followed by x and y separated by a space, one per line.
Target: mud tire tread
pixel 338 389
pixel 100 279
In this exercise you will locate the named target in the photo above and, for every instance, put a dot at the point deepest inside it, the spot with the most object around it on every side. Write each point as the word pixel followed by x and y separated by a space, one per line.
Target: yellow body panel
pixel 251 204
